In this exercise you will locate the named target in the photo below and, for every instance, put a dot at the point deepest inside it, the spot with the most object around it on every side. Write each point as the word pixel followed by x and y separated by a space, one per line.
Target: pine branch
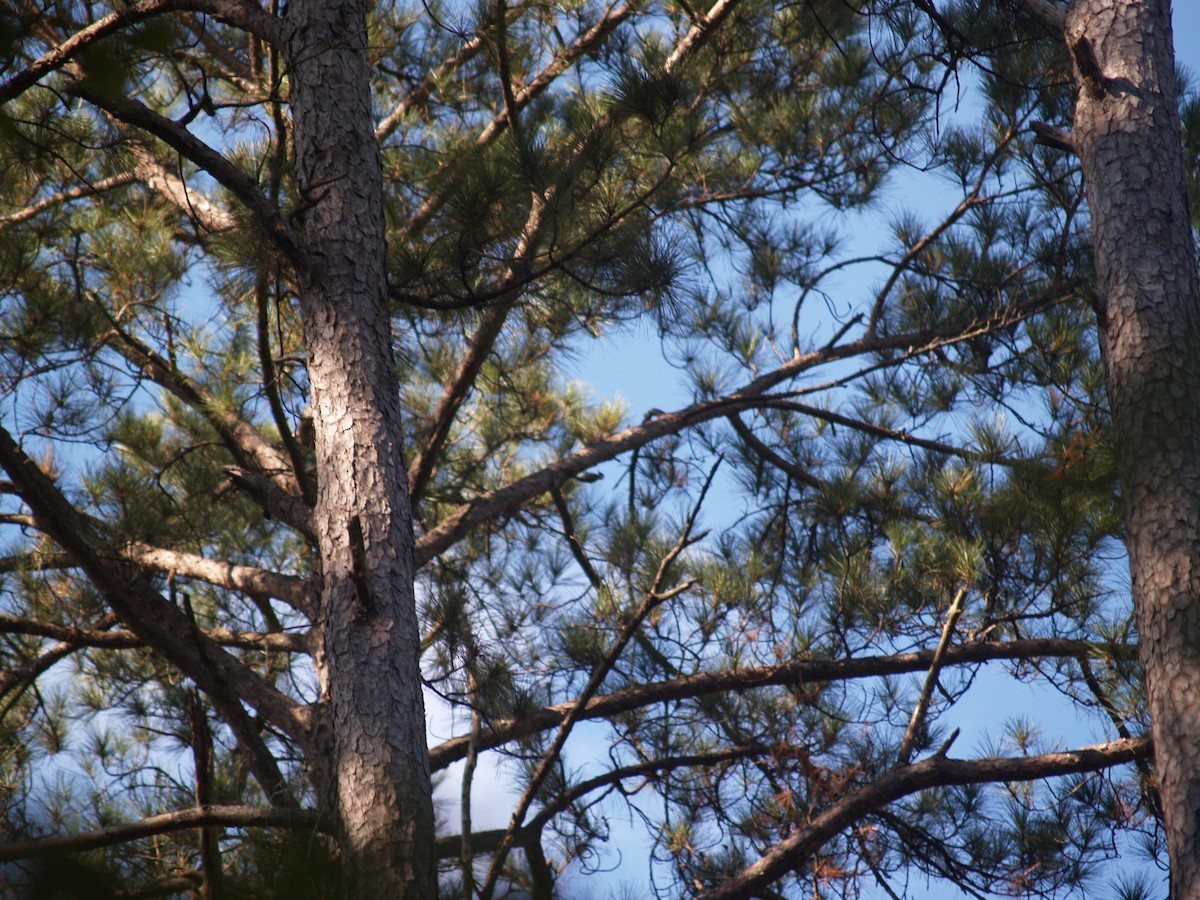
pixel 190 147
pixel 421 92
pixel 456 390
pixel 185 197
pixel 503 500
pixel 614 777
pixel 761 449
pixel 65 196
pixel 1052 14
pixel 132 597
pixel 908 743
pixel 879 431
pixel 14 681
pixel 973 199
pixel 937 771
pixel 298 593
pixel 236 12
pixel 656 594
pixel 244 442
pixel 800 672
pixel 613 16
pixel 225 815
pixel 700 32
pixel 122 639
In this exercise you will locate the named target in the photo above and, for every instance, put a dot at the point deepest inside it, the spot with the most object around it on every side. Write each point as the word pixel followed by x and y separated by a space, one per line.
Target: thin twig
pixel 904 755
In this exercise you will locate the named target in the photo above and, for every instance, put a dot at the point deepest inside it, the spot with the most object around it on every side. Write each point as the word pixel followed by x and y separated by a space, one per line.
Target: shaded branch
pixel 532 89
pixel 666 764
pixel 176 136
pixel 244 442
pixel 275 501
pixel 937 771
pixel 1052 14
pixel 227 816
pixel 767 453
pixel 236 12
pixel 121 639
pixel 65 196
pixel 19 679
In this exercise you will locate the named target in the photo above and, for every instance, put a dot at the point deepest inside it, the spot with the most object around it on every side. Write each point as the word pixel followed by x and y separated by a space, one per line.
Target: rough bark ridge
pixel 377 772
pixel 1127 133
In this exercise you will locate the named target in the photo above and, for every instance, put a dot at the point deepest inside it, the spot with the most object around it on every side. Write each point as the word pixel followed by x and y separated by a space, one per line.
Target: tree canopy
pixel 879 488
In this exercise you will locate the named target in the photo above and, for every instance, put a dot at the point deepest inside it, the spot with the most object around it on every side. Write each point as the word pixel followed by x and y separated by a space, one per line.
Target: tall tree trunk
pixel 1127 132
pixel 376 773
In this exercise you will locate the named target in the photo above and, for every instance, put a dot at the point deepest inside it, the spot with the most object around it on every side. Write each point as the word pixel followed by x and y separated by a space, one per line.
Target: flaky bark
pixel 1127 133
pixel 373 767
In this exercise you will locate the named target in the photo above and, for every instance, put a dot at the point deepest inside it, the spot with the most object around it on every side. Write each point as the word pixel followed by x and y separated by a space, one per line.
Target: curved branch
pixel 937 771
pixel 505 499
pixel 813 671
pixel 236 12
pixel 176 136
pixel 665 764
pixel 227 816
pixel 296 592
pixel 23 677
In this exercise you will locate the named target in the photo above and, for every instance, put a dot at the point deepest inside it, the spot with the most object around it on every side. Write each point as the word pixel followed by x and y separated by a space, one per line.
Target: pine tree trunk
pixel 1127 132
pixel 376 771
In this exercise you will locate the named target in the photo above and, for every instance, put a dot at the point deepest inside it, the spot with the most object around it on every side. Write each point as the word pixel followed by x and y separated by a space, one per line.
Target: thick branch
pixel 815 671
pixel 228 816
pixel 296 592
pixel 176 136
pixel 132 596
pixel 185 197
pixel 937 771
pixel 1050 13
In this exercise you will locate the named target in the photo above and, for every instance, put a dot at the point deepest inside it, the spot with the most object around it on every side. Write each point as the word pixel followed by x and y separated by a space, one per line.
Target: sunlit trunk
pixel 376 771
pixel 1127 132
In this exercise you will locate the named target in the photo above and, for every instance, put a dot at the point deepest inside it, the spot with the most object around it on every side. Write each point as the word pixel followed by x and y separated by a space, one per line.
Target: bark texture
pixel 1127 132
pixel 376 773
